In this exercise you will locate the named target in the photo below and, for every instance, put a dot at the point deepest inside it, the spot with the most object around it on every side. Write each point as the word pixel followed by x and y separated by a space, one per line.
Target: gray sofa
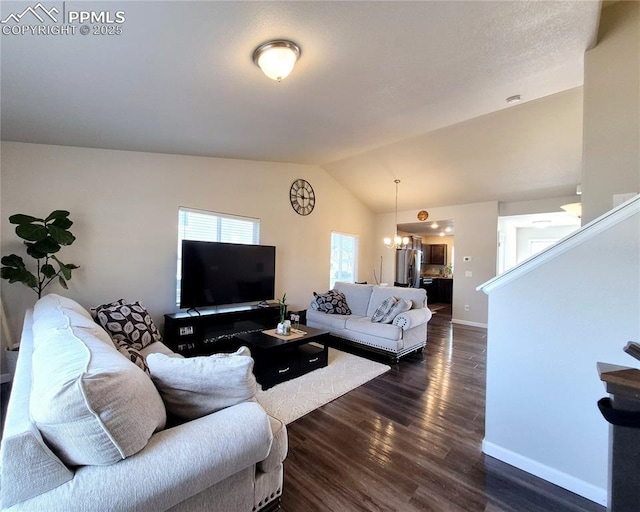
pixel 230 460
pixel 406 333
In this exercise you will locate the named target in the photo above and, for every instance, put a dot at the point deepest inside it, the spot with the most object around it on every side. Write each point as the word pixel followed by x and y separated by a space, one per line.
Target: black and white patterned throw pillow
pixel 333 302
pixel 129 324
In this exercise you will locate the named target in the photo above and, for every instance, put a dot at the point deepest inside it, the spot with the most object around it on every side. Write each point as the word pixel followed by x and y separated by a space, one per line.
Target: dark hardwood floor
pixel 410 440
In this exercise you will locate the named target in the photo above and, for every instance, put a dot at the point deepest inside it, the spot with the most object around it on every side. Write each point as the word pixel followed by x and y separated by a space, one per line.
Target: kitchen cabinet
pixel 439 290
pixel 435 254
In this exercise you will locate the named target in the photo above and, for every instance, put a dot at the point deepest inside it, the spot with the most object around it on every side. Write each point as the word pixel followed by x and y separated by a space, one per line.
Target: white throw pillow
pixel 196 386
pixel 91 404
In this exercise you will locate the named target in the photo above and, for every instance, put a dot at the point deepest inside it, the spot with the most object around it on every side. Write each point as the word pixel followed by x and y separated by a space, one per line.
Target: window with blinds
pixel 207 226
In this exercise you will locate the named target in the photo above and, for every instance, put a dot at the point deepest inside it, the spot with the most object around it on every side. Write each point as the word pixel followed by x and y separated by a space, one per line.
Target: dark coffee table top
pixel 261 341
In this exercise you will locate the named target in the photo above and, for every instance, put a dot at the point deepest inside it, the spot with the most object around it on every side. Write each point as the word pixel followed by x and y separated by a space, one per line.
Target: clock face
pixel 302 197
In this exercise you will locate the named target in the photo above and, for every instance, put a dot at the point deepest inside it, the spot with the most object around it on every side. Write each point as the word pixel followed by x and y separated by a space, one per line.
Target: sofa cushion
pixel 416 295
pixel 332 302
pixel 329 322
pixel 364 325
pixel 196 386
pixel 128 324
pixel 384 309
pixel 91 404
pixel 357 296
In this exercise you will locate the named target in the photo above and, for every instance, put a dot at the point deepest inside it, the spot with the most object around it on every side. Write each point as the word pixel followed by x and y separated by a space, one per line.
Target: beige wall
pixel 476 237
pixel 125 208
pixel 611 144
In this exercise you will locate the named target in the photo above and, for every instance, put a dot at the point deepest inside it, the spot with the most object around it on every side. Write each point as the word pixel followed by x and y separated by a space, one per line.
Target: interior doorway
pixel 436 240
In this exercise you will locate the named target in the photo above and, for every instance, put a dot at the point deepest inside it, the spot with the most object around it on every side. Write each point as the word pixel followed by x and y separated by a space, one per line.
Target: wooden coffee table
pixel 281 359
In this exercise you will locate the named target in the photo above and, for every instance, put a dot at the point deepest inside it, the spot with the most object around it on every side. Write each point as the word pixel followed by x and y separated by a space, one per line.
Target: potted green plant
pixel 284 326
pixel 43 239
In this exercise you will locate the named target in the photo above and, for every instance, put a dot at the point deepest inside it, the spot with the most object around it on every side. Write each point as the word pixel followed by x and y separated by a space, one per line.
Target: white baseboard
pixel 4 378
pixel 466 322
pixel 571 483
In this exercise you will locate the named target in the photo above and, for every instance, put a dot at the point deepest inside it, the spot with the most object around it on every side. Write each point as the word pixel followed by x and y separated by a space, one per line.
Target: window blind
pixel 207 226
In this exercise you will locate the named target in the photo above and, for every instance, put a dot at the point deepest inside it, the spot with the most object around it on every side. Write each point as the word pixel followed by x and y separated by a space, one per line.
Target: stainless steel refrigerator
pixel 408 262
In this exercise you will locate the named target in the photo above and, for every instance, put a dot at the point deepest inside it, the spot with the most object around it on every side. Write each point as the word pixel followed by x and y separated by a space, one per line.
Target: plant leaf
pixel 20 218
pixel 33 251
pixel 19 275
pixel 9 273
pixel 71 266
pixel 13 260
pixel 62 236
pixel 62 223
pixel 47 246
pixel 66 271
pixel 63 283
pixel 31 232
pixel 48 271
pixel 57 214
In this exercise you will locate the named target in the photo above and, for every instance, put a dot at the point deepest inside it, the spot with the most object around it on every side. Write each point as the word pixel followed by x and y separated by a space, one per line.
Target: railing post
pixel 622 411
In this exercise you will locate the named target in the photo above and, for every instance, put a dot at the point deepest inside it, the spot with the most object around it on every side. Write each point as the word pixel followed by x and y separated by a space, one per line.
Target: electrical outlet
pixel 468 273
pixel 466 307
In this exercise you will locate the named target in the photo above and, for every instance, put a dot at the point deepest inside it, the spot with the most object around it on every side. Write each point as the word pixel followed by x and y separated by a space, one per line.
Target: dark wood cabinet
pixel 435 254
pixel 439 290
pixel 193 334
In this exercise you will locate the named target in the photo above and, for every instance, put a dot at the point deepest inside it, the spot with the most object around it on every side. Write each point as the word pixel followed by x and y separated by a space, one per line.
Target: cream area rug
pixel 295 398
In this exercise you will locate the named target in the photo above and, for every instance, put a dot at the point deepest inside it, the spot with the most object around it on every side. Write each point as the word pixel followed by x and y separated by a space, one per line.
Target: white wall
pixel 611 145
pixel 125 208
pixel 547 330
pixel 476 237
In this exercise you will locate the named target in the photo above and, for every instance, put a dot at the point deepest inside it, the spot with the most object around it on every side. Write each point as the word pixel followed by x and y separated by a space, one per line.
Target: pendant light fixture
pixel 396 242
pixel 276 58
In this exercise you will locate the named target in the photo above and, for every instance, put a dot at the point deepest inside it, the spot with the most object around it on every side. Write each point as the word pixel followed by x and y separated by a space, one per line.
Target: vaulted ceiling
pixel 383 90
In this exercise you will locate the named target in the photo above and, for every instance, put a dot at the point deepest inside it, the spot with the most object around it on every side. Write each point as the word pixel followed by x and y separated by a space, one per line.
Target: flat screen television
pixel 215 273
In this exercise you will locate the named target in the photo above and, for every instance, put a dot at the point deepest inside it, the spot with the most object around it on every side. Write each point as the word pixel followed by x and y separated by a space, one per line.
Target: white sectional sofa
pixel 110 450
pixel 406 333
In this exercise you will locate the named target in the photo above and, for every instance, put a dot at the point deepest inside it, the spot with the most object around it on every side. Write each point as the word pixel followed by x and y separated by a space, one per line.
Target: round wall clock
pixel 302 197
pixel 423 215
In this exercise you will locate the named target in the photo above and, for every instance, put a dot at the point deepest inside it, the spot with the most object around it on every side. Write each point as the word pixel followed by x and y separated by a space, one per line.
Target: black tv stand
pixel 214 330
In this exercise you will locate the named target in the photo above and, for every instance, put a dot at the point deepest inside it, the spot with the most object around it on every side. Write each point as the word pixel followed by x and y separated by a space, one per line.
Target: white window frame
pixel 340 267
pixel 217 233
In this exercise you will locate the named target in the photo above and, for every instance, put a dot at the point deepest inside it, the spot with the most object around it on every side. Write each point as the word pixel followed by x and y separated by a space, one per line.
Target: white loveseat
pixel 230 460
pixel 406 333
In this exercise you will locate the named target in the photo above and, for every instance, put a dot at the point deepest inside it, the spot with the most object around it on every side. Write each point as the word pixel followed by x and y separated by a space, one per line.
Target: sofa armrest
pixel 413 317
pixel 279 447
pixel 176 464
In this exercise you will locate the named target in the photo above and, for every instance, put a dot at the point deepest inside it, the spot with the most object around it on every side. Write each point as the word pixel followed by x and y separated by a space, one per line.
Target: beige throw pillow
pixel 196 386
pixel 91 404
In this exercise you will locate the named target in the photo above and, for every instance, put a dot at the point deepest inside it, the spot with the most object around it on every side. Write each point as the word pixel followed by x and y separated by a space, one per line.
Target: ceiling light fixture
pixel 276 58
pixel 513 99
pixel 434 225
pixel 396 242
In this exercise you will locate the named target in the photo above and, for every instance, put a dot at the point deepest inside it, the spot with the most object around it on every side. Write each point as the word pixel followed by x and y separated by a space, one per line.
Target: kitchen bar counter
pixel 439 289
